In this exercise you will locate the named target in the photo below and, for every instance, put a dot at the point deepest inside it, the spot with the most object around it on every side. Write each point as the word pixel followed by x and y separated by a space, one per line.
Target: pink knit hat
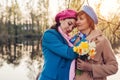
pixel 65 14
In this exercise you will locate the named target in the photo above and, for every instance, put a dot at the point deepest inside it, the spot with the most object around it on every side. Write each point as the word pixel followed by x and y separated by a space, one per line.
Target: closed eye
pixel 69 23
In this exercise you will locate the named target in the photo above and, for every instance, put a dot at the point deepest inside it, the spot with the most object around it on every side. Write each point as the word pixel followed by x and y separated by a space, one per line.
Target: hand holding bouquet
pixel 86 51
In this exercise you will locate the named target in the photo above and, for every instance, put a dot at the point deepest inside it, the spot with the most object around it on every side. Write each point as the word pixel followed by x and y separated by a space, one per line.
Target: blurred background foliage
pixel 18 33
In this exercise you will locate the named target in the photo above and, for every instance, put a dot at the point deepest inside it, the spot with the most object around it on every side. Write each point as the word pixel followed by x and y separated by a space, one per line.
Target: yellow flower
pixel 92 53
pixel 84 45
pixel 86 48
pixel 80 50
pixel 75 49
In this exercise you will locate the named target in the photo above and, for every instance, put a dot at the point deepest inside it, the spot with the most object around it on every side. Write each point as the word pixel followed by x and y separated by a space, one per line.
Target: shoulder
pixel 50 32
pixel 94 35
pixel 102 40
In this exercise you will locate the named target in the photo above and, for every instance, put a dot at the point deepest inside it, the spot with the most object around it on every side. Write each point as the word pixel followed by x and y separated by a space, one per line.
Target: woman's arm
pixel 110 65
pixel 52 42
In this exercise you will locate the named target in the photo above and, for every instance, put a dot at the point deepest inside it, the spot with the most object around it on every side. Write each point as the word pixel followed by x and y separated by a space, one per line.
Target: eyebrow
pixel 72 23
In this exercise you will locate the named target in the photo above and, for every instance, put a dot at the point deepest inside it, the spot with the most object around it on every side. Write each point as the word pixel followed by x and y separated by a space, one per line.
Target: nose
pixel 77 21
pixel 70 28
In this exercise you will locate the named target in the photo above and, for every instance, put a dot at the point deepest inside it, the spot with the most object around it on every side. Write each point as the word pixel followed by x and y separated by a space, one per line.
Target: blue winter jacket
pixel 57 56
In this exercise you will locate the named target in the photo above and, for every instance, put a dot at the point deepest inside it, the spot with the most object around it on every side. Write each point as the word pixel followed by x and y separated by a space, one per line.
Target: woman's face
pixel 67 25
pixel 82 23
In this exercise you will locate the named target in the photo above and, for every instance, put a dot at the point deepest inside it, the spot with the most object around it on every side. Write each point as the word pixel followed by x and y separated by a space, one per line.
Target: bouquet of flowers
pixel 86 51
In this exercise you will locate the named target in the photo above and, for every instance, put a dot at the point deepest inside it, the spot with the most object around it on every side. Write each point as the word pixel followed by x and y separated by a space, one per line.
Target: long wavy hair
pixel 55 26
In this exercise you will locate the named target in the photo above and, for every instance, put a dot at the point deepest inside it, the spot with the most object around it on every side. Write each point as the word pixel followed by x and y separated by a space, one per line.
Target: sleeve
pixel 110 65
pixel 53 43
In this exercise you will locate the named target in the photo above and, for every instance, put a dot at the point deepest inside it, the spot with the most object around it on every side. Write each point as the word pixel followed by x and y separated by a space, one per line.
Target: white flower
pixel 92 45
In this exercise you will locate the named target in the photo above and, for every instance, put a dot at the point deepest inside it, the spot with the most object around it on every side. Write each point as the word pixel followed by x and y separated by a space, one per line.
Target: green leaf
pixel 78 72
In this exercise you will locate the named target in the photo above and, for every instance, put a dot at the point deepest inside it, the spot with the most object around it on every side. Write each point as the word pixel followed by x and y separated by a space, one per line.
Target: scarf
pixel 72 66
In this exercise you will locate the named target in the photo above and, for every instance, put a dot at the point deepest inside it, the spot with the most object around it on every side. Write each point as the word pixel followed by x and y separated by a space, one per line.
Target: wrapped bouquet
pixel 86 51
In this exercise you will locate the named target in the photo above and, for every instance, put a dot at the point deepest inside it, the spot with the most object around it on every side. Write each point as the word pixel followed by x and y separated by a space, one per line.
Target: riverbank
pixel 27 70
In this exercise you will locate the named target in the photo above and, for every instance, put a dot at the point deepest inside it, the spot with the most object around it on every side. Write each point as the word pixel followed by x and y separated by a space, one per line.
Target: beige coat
pixel 104 63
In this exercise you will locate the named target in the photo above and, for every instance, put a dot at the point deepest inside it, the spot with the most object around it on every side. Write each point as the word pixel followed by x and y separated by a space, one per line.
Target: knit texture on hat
pixel 65 14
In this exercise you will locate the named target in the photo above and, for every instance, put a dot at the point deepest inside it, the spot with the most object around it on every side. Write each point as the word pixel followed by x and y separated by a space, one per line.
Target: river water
pixel 28 69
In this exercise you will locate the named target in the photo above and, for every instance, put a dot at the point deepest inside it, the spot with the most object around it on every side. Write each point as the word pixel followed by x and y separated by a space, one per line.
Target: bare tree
pixel 75 4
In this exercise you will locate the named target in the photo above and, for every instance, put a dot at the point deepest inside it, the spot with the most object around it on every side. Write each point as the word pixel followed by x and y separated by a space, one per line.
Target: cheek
pixel 85 23
pixel 82 26
pixel 63 25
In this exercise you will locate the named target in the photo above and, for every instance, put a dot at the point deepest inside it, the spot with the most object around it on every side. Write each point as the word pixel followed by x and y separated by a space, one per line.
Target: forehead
pixel 71 20
pixel 81 16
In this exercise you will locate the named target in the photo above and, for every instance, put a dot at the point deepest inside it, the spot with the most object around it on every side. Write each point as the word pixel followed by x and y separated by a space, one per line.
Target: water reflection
pixel 21 59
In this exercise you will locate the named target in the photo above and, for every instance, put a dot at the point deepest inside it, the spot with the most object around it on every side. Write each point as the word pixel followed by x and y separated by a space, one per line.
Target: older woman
pixel 104 62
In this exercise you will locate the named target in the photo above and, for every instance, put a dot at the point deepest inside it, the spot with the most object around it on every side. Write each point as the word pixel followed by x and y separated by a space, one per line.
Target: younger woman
pixel 57 50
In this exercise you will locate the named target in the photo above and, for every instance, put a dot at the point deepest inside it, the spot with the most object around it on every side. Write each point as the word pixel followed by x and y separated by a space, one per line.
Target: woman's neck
pixel 86 32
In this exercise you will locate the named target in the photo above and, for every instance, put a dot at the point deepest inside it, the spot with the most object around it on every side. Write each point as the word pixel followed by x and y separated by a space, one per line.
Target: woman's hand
pixel 82 65
pixel 94 35
pixel 77 41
